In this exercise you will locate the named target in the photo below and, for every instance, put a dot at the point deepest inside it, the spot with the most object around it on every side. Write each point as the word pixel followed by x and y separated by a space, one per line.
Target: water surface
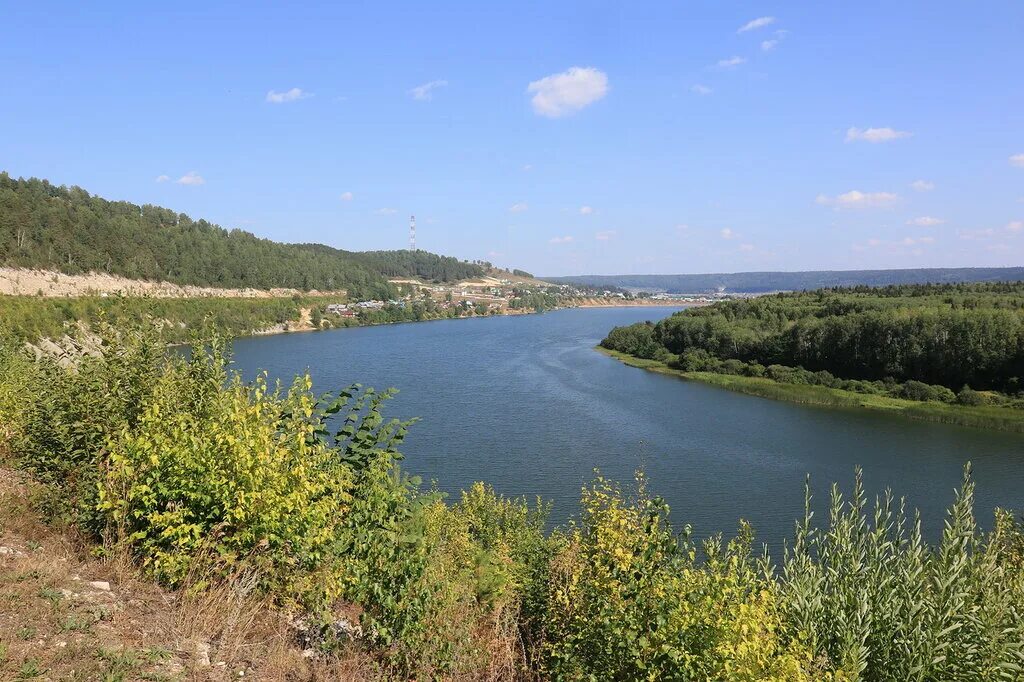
pixel 526 404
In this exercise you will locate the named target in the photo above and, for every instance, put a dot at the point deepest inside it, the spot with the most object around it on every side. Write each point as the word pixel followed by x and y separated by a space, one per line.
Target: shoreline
pixel 274 331
pixel 989 417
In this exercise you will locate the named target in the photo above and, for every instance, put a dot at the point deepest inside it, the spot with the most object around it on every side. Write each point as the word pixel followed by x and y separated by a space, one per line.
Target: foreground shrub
pixel 876 603
pixel 217 470
pixel 629 601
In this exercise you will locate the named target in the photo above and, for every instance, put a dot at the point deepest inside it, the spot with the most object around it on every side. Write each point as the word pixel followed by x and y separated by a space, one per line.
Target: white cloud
pixel 560 240
pixel 191 178
pixel 386 211
pixel 1015 226
pixel 978 234
pixel 746 247
pixel 906 242
pixel 858 199
pixel 923 185
pixel 1017 160
pixel 527 167
pixel 731 62
pixel 287 96
pixel 701 89
pixel 769 45
pixel 566 93
pixel 760 22
pixel 586 210
pixel 162 178
pixel 682 227
pixel 726 233
pixel 518 208
pixel 425 92
pixel 347 196
pixel 604 235
pixel 875 135
pixel 925 221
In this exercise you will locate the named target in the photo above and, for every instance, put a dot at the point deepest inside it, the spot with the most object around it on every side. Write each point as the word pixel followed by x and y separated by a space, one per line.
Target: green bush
pixel 630 602
pixel 970 397
pixel 876 603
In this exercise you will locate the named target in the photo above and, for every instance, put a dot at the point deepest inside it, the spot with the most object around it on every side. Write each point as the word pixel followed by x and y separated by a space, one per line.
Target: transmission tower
pixel 412 233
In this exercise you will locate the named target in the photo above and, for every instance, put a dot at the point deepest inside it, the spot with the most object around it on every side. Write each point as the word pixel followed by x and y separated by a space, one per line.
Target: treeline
pixel 31 318
pixel 761 282
pixel 951 336
pixel 201 479
pixel 67 229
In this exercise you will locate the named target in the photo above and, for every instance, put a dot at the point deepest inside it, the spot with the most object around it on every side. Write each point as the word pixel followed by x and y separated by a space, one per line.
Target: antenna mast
pixel 412 233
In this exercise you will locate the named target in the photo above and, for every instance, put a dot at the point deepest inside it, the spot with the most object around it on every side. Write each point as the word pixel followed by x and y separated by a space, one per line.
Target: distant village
pixel 498 295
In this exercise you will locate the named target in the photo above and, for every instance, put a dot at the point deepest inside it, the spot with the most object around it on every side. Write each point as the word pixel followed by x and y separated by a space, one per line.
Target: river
pixel 526 404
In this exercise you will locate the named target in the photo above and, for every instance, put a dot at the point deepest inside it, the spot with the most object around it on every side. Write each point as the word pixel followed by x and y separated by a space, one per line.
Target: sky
pixel 558 137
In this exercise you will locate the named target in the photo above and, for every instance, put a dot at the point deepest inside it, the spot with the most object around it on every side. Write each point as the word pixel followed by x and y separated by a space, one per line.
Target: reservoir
pixel 526 404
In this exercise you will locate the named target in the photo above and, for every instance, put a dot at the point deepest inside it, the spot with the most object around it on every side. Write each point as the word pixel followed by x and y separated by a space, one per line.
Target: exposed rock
pixel 101 585
pixel 202 653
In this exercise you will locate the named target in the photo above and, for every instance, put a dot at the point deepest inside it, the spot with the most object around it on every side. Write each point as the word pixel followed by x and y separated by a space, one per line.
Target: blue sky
pixel 562 138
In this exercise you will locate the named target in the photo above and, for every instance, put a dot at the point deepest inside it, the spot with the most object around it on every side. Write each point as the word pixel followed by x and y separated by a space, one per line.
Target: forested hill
pixel 67 229
pixel 950 335
pixel 759 282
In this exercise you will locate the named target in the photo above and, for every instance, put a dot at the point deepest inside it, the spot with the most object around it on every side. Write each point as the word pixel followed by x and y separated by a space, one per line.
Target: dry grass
pixel 56 624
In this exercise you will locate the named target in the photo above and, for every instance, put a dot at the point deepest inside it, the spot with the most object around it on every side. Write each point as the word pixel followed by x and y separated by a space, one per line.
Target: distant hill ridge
pixel 66 229
pixel 759 282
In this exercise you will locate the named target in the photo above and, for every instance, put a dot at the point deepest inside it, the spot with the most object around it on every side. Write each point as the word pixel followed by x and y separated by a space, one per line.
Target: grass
pixel 53 626
pixel 985 417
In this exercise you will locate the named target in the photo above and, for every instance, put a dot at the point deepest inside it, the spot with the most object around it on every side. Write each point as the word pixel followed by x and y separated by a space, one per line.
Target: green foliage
pixel 629 601
pixel 876 603
pixel 912 342
pixel 202 476
pixel 69 230
pixel 218 471
pixel 637 340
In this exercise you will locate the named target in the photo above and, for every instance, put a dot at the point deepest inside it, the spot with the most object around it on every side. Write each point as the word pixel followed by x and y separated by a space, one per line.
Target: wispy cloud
pixel 1015 226
pixel 586 210
pixel 896 245
pixel 560 240
pixel 527 167
pixel 292 95
pixel 191 178
pixel 730 62
pixel 699 89
pixel 754 24
pixel 922 185
pixel 604 235
pixel 1017 160
pixel 566 93
pixel 925 221
pixel 386 211
pixel 425 92
pixel 163 178
pixel 857 199
pixel 727 233
pixel 983 233
pixel 347 196
pixel 518 208
pixel 746 247
pixel 875 135
pixel 769 45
